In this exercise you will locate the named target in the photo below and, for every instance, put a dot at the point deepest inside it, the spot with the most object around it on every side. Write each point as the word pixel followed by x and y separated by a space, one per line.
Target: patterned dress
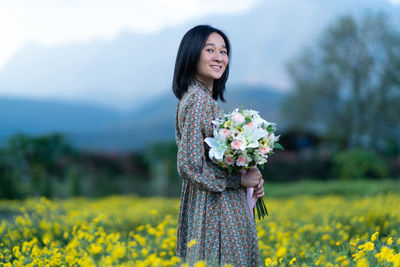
pixel 214 224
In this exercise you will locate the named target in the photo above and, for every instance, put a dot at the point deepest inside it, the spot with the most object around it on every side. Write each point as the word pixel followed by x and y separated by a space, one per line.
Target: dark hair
pixel 188 56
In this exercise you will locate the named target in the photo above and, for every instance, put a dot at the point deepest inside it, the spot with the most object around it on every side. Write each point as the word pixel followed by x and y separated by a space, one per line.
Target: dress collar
pixel 201 85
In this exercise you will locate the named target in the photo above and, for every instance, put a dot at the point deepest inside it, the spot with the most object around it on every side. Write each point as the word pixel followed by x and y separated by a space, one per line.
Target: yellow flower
pixel 343 260
pixel 389 241
pixel 374 236
pixel 386 252
pixel 16 251
pixel 268 261
pixel 325 237
pixel 200 264
pixel 227 124
pixel 140 239
pixel 378 256
pixel 154 212
pixel 345 237
pixel 95 249
pixel 369 246
pixel 145 251
pixel 108 260
pixel 292 260
pixel 390 258
pixel 151 231
pixel 362 263
pixel 358 255
pixel 46 239
pixel 396 260
pixel 281 252
pixel 19 220
pixel 262 142
pixel 118 252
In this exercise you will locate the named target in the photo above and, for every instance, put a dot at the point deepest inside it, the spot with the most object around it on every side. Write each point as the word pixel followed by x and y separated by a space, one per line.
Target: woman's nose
pixel 218 57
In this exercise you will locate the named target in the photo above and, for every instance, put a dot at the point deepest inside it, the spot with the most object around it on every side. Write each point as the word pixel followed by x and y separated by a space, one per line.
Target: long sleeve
pixel 192 161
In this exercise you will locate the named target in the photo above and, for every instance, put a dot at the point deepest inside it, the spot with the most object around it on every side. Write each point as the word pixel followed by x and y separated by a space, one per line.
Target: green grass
pixel 360 187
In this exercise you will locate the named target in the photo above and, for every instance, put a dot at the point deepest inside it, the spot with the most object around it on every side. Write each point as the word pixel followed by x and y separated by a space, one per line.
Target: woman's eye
pixel 223 52
pixel 209 50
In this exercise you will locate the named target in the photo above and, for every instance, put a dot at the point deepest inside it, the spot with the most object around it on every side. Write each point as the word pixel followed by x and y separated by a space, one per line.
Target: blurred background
pixel 86 105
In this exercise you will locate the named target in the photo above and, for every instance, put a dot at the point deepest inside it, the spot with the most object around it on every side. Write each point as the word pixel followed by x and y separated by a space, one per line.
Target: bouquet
pixel 242 140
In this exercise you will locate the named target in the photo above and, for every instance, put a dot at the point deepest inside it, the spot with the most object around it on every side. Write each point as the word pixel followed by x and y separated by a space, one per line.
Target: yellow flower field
pixel 133 231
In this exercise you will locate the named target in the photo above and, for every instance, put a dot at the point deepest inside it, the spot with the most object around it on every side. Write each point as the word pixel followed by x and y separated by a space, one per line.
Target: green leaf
pixel 278 146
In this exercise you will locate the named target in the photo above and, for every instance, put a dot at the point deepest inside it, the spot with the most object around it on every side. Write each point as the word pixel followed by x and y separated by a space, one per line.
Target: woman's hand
pixel 259 189
pixel 250 178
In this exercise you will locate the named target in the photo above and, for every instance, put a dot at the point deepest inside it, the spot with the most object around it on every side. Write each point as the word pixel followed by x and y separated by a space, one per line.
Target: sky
pixel 54 22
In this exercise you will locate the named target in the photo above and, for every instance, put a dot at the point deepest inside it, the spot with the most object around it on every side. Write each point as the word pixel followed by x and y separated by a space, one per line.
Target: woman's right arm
pixel 192 162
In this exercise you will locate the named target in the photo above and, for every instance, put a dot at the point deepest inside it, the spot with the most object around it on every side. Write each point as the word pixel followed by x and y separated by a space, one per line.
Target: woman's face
pixel 213 59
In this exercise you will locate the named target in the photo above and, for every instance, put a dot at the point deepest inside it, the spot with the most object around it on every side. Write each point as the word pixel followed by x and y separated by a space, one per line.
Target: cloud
pixel 53 22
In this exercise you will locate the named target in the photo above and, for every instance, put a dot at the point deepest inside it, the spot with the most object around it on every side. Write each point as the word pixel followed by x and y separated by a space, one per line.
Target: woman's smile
pixel 213 60
pixel 216 67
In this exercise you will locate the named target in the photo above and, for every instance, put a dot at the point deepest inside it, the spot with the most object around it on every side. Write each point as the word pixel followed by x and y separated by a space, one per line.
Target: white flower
pixel 239 132
pixel 252 135
pixel 260 122
pixel 217 122
pixel 218 146
pixel 260 159
pixel 250 112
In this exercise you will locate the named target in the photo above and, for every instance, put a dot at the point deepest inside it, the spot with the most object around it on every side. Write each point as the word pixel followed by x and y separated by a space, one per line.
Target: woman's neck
pixel 209 83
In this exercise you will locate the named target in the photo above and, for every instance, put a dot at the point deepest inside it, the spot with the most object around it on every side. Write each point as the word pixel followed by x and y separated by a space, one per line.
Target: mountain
pixel 132 68
pixel 95 128
pixel 44 116
pixel 155 120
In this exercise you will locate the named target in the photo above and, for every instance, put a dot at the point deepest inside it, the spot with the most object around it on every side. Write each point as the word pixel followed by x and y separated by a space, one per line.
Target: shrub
pixel 359 163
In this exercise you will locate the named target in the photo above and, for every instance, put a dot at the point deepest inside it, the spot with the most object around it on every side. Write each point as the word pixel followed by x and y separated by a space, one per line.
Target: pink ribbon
pixel 251 200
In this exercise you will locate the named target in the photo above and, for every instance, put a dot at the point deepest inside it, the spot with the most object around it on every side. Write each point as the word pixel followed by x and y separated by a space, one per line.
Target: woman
pixel 214 221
